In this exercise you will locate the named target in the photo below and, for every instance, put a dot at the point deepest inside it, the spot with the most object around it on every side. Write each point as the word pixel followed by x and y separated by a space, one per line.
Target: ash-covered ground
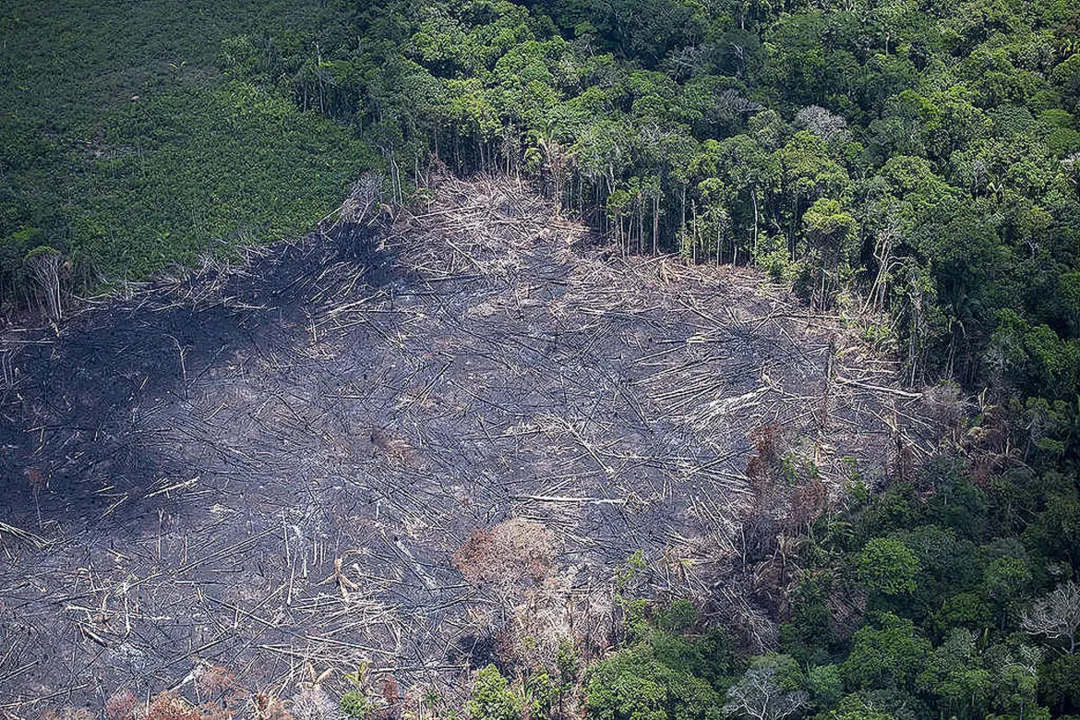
pixel 271 465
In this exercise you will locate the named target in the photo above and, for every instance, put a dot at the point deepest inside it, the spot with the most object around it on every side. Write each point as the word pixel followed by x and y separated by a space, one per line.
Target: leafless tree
pixel 758 695
pixel 363 200
pixel 822 123
pixel 7 369
pixel 886 240
pixel 687 61
pixel 1057 615
pixel 46 263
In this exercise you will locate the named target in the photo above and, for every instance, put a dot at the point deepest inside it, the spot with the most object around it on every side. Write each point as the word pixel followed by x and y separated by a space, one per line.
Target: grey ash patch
pixel 273 464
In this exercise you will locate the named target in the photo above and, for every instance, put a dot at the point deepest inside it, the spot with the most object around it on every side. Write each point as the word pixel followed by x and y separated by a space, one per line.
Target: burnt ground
pixel 271 464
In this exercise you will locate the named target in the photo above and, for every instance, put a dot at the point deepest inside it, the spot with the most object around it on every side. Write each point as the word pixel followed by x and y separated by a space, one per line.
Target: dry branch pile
pixel 270 466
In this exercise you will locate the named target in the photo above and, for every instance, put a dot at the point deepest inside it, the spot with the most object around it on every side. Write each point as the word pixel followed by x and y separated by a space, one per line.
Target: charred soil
pixel 289 461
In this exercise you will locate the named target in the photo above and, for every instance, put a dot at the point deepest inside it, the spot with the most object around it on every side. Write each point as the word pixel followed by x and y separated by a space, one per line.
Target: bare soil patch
pixel 274 464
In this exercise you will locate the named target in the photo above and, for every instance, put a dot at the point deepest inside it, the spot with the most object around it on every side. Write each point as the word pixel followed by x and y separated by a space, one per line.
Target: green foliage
pixel 1038 359
pixel 237 165
pixel 1060 686
pixel 967 609
pixel 541 695
pixel 887 566
pixel 955 676
pixel 855 707
pixel 809 635
pixel 354 704
pixel 636 688
pixel 677 617
pixel 568 662
pixel 958 504
pixel 1004 581
pixel 888 654
pixel 493 698
pixel 897 508
pixel 627 580
pixel 947 564
pixel 663 677
pixel 122 148
pixel 826 685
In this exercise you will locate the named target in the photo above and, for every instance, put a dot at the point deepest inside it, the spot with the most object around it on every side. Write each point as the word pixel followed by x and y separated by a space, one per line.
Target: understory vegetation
pixel 126 151
pixel 911 164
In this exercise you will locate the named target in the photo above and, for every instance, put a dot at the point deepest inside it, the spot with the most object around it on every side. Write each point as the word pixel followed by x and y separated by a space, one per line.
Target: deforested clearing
pixel 412 443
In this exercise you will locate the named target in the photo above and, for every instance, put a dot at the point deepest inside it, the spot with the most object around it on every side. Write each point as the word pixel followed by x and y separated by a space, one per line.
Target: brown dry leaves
pixel 512 551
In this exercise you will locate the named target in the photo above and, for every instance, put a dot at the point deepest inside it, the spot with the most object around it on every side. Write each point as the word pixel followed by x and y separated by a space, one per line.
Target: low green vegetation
pixel 238 165
pixel 124 147
pixel 355 704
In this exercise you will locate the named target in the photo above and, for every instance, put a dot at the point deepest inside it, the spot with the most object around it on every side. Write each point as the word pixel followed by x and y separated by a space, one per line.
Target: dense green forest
pixel 912 163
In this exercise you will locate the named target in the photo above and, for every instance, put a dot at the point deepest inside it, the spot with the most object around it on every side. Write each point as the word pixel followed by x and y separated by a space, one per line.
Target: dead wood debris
pixel 269 465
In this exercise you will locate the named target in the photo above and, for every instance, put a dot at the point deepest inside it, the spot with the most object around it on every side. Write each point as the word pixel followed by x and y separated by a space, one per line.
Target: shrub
pixel 354 704
pixel 493 699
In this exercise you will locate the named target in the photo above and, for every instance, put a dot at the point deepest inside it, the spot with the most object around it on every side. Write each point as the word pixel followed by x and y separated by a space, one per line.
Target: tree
pixel 967 609
pixel 492 698
pixel 826 685
pixel 634 685
pixel 807 174
pixel 1060 684
pixel 767 690
pixel 856 707
pixel 947 564
pixel 809 635
pixel 1004 580
pixel 954 674
pixel 887 566
pixel 555 160
pixel 888 654
pixel 831 233
pixel 1015 671
pixel 826 125
pixel 1056 615
pixel 663 676
pixel 46 263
